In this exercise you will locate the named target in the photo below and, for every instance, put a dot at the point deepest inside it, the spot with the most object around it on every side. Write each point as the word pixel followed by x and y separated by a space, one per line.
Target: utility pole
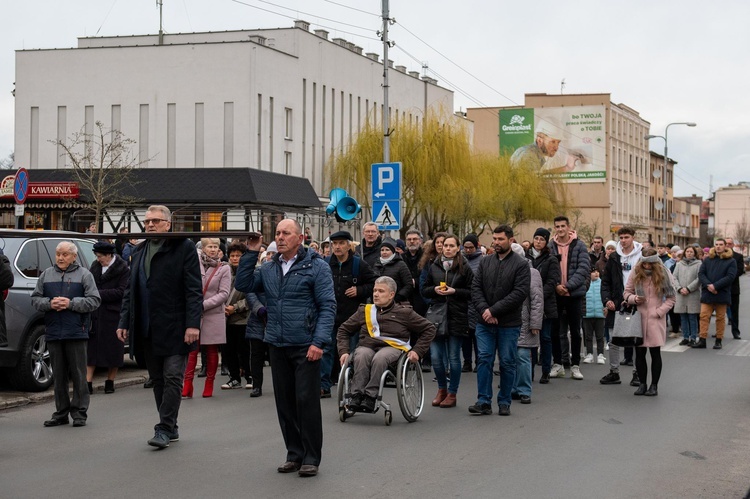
pixel 386 114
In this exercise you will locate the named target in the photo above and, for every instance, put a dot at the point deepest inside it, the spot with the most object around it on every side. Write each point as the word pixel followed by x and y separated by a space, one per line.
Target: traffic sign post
pixel 386 195
pixel 20 193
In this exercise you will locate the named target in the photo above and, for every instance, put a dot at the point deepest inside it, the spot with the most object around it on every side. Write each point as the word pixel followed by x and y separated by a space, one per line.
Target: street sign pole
pixel 20 194
pixel 386 195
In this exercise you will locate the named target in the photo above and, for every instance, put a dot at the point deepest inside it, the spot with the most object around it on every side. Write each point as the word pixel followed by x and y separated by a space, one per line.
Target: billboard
pixel 566 143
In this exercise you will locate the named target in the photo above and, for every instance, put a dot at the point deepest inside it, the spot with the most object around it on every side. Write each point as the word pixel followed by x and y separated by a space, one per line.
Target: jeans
pixel 167 373
pixel 492 340
pixel 450 345
pixel 522 385
pixel 689 324
pixel 545 344
pixel 296 389
pixel 68 359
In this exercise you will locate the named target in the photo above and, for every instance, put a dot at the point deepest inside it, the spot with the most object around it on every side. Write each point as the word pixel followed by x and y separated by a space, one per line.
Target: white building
pixel 280 100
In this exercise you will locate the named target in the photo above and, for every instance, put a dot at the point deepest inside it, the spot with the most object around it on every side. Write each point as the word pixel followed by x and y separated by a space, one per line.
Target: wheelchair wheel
pixel 388 418
pixel 342 389
pixel 409 388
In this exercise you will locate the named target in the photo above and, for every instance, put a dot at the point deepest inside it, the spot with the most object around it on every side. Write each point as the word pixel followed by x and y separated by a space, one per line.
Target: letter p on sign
pixel 385 176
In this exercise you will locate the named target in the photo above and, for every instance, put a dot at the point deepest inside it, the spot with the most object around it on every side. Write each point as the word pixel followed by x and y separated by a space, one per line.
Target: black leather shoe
pixel 635 381
pixel 544 379
pixel 482 409
pixel 612 378
pixel 525 399
pixel 368 404
pixel 109 386
pixel 701 343
pixel 736 335
pixel 717 344
pixel 289 467
pixel 257 392
pixel 684 342
pixel 56 422
pixel 355 404
pixel 308 470
pixel 201 372
pixel 90 386
pixel 652 391
pixel 79 422
pixel 466 367
pixel 505 410
pixel 149 383
pixel 641 389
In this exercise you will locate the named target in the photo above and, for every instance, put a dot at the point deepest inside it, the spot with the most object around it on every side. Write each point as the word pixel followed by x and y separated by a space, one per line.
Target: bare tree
pixel 102 163
pixel 586 232
pixel 8 163
pixel 742 232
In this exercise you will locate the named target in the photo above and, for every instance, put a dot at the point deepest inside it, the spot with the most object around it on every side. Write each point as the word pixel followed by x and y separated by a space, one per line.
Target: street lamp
pixel 664 177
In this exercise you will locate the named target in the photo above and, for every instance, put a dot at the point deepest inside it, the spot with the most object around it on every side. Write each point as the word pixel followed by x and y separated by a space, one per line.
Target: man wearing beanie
pixel 549 270
pixel 353 280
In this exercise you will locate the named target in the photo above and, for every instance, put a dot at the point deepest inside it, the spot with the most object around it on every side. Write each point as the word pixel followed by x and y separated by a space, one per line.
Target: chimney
pixel 357 49
pixel 415 74
pixel 390 64
pixel 401 69
pixel 321 33
pixel 373 56
pixel 350 46
pixel 259 39
pixel 340 41
pixel 299 23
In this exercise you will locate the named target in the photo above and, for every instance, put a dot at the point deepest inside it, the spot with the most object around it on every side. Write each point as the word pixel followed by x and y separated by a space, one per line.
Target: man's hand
pixel 59 303
pixel 344 359
pixel 535 331
pixel 610 305
pixel 561 290
pixel 122 335
pixel 254 241
pixel 487 315
pixel 413 357
pixel 314 353
pixel 351 292
pixel 192 334
pixel 711 288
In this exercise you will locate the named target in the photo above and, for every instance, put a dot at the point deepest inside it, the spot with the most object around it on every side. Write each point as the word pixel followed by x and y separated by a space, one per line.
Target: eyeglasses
pixel 154 221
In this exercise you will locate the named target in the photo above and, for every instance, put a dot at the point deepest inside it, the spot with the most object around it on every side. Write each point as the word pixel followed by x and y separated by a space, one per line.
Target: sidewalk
pixel 128 375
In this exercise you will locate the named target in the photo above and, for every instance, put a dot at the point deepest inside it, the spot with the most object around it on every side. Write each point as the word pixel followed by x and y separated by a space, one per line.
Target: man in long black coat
pixel 161 314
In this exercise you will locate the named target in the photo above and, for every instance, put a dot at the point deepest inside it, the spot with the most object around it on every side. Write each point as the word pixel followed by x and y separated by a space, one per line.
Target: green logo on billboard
pixel 516 129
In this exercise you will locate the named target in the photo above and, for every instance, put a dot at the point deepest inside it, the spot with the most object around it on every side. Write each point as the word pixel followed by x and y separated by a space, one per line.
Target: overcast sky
pixel 670 60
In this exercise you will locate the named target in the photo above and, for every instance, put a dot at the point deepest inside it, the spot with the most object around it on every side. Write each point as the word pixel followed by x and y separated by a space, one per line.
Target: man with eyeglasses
pixel 369 250
pixel 161 315
pixel 618 268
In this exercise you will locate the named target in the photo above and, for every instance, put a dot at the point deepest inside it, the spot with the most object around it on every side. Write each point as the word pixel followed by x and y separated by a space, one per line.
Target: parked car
pixel 25 361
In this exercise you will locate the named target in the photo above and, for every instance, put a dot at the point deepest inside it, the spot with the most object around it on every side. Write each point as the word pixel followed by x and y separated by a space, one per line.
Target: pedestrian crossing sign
pixel 387 214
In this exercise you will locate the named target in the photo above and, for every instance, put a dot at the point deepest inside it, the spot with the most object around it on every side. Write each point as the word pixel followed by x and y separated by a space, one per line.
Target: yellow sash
pixel 373 328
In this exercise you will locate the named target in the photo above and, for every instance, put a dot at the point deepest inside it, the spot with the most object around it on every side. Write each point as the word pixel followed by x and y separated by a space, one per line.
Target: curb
pixel 11 401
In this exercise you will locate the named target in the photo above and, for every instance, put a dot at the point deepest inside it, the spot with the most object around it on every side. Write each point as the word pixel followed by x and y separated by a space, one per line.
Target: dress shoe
pixel 736 335
pixel 368 404
pixel 90 386
pixel 641 389
pixel 635 381
pixel 149 383
pixel 717 344
pixel 56 422
pixel 109 386
pixel 544 379
pixel 441 394
pixel 78 422
pixel 308 470
pixel 684 342
pixel 504 410
pixel 257 392
pixel 355 404
pixel 289 467
pixel 652 391
pixel 525 399
pixel 449 401
pixel 701 343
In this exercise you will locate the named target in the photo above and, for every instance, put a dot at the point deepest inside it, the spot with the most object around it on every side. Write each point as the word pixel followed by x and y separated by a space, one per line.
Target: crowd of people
pixel 457 306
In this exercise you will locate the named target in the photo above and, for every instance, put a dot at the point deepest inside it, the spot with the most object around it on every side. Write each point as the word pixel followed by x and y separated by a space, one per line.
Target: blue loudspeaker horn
pixel 342 206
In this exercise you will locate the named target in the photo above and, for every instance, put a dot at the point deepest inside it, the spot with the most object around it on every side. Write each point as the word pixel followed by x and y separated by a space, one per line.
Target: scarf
pixel 535 253
pixel 447 263
pixel 208 261
pixel 386 260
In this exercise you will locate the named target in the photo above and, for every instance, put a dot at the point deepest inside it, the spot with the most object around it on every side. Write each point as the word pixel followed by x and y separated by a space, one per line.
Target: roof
pixel 208 186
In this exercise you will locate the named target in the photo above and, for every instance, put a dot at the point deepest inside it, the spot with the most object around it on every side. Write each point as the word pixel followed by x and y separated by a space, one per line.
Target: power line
pixel 353 8
pixel 701 189
pixel 314 15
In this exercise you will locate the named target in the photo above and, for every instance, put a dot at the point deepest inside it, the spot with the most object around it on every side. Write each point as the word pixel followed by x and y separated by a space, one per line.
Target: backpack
pixel 355 267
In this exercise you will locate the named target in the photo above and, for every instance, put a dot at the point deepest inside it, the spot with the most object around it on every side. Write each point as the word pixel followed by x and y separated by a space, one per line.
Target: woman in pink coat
pixel 217 282
pixel 650 287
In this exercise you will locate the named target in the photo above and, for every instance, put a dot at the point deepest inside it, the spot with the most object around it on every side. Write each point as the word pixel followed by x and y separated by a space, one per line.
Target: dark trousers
pixel 675 321
pixel 167 373
pixel 237 351
pixel 734 309
pixel 296 388
pixel 68 359
pixel 258 350
pixel 569 312
pixel 468 346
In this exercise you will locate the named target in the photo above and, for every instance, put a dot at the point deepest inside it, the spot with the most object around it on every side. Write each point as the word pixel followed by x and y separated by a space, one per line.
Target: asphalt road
pixel 576 438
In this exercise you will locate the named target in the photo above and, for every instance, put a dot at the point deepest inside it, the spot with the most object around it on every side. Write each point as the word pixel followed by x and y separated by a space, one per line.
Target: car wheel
pixel 34 370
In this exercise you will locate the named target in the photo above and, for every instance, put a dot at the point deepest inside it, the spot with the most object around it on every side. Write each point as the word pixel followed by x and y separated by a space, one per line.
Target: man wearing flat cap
pixel 353 280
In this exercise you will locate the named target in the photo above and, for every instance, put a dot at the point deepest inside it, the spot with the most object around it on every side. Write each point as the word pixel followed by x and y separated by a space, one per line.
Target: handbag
pixel 628 331
pixel 436 314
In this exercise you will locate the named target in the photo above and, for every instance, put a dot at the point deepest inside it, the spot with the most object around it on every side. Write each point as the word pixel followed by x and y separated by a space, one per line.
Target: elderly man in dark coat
pixel 161 314
pixel 111 274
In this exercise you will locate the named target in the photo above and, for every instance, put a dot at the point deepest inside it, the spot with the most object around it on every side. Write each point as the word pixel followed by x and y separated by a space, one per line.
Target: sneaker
pixel 466 367
pixel 368 404
pixel 481 409
pixel 589 359
pixel 606 346
pixel 231 384
pixel 717 344
pixel 613 378
pixel 575 372
pixel 557 371
pixel 635 381
pixel 174 436
pixel 701 343
pixel 525 399
pixel 685 342
pixel 544 379
pixel 160 440
pixel 600 359
pixel 249 384
pixel 78 422
pixel 504 410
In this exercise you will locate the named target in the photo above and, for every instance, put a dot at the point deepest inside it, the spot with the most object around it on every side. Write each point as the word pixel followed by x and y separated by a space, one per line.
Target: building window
pixel 288 123
pixel 288 163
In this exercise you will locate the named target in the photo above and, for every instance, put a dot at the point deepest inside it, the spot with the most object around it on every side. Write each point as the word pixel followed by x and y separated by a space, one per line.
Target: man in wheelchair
pixel 384 330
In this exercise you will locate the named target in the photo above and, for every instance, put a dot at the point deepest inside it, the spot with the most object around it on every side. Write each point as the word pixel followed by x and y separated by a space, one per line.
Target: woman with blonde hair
pixel 217 281
pixel 651 288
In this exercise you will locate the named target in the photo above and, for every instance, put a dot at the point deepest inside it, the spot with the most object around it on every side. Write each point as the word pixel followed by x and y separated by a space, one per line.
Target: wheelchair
pixel 407 378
